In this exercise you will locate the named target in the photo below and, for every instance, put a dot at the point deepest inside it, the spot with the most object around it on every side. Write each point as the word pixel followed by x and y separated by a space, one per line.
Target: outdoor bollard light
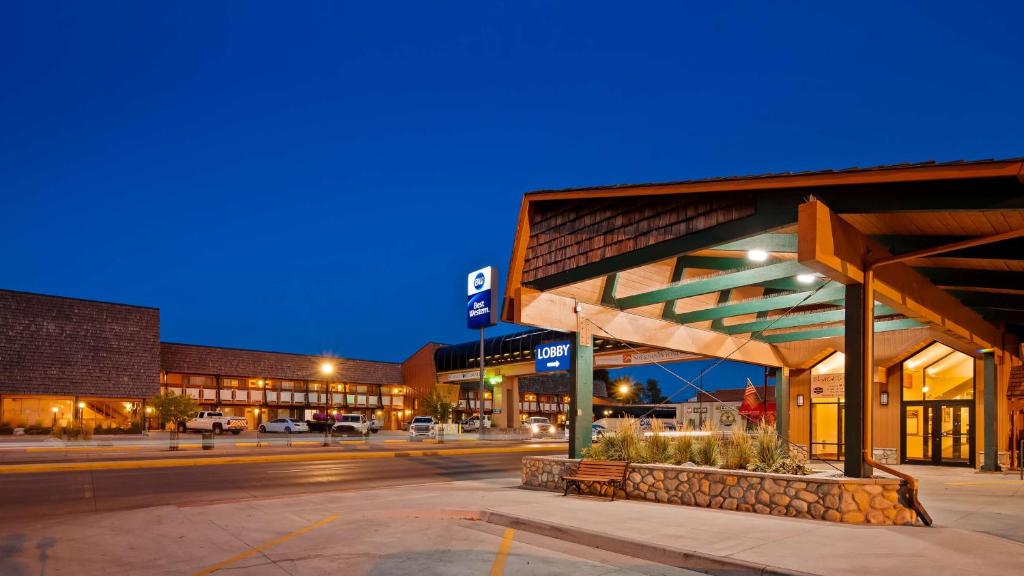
pixel 54 410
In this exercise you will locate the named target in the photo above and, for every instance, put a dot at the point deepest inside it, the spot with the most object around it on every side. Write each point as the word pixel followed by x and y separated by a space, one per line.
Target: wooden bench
pixel 610 472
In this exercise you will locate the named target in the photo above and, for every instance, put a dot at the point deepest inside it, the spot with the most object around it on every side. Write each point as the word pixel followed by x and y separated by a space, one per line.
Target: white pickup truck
pixel 215 422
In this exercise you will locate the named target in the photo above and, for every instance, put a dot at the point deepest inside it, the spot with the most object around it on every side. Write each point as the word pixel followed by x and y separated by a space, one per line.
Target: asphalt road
pixel 63 493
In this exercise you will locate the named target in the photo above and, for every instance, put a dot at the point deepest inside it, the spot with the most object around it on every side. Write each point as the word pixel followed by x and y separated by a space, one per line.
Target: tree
pixel 437 405
pixel 173 408
pixel 652 393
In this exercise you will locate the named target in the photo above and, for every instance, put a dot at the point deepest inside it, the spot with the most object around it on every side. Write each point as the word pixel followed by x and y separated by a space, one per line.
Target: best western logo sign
pixel 552 356
pixel 480 298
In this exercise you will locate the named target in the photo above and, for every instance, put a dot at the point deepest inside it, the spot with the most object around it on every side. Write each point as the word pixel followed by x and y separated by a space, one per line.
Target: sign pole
pixel 481 398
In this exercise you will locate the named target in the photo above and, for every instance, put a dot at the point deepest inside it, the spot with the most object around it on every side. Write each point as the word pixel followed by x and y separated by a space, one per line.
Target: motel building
pixel 67 361
pixel 886 302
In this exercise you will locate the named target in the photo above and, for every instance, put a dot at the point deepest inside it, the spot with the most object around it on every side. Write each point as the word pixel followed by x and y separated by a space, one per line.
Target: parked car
pixel 472 424
pixel 597 431
pixel 423 426
pixel 540 426
pixel 285 425
pixel 375 425
pixel 216 422
pixel 351 424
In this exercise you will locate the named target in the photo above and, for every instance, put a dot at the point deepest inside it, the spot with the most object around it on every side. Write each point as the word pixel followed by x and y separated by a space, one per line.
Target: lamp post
pixel 81 417
pixel 327 369
pixel 54 410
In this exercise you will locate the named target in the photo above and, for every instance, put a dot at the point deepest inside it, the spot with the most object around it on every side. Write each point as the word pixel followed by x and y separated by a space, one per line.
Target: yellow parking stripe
pixel 84 448
pixel 266 545
pixel 215 460
pixel 498 568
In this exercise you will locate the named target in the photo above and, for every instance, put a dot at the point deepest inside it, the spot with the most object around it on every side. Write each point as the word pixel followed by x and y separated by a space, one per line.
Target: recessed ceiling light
pixel 757 255
pixel 806 278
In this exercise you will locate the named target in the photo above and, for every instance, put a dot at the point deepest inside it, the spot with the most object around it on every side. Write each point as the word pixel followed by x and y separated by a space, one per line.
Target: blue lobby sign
pixel 480 298
pixel 552 356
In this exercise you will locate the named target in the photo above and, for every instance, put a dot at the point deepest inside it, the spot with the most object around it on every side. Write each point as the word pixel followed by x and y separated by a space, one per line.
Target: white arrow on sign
pixel 554 364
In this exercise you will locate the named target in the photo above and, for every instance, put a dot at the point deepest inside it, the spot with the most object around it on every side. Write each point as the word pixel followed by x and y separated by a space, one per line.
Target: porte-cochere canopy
pixel 704 266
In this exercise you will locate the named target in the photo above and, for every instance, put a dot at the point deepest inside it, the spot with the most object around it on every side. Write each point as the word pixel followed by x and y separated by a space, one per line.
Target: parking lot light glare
pixel 327 368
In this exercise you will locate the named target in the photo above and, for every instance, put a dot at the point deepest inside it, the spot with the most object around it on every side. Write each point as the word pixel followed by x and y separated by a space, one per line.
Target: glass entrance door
pixel 938 432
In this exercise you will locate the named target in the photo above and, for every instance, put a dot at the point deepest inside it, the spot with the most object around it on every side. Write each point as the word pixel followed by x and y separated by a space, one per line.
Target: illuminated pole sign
pixel 481 298
pixel 480 313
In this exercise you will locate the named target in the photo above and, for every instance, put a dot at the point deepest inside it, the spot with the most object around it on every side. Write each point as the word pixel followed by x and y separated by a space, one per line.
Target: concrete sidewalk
pixel 977 529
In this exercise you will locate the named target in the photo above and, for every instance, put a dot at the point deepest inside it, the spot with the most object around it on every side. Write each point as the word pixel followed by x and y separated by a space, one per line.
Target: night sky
pixel 311 177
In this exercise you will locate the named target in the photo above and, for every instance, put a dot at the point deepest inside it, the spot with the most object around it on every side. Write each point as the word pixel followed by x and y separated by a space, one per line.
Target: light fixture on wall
pixel 799 399
pixel 883 398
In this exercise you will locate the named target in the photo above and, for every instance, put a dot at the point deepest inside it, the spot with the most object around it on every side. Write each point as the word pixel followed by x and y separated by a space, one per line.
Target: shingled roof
pixel 195 359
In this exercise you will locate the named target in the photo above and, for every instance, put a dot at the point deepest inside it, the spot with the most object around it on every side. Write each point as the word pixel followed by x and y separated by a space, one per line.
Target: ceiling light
pixel 757 255
pixel 806 278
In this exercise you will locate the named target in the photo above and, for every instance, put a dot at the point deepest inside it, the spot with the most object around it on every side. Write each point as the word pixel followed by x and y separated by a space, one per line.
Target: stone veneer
pixel 815 496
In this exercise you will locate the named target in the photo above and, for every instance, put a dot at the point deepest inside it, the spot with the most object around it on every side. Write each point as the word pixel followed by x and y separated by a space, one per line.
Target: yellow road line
pixel 84 448
pixel 215 460
pixel 498 568
pixel 266 545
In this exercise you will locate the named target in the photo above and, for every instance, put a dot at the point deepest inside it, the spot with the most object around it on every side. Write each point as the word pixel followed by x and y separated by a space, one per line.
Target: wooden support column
pixel 581 406
pixel 782 402
pixel 990 417
pixel 853 425
pixel 512 402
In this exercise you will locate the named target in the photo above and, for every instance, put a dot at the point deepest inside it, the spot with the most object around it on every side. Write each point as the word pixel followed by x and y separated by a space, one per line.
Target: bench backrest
pixel 608 468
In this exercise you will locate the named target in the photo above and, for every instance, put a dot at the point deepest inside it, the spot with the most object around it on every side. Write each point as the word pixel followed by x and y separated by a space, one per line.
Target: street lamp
pixel 326 368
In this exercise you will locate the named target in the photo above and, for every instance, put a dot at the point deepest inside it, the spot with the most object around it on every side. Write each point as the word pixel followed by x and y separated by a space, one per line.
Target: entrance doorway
pixel 938 432
pixel 937 408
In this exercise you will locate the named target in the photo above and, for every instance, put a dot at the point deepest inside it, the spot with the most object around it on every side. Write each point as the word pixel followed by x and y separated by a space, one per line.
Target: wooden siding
pixel 566 234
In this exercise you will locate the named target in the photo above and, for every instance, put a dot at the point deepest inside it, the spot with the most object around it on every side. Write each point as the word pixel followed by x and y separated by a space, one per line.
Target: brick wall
pixel 418 371
pixel 189 358
pixel 65 346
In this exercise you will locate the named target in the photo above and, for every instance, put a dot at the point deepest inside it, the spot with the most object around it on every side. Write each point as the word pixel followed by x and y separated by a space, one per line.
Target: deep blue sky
pixel 312 177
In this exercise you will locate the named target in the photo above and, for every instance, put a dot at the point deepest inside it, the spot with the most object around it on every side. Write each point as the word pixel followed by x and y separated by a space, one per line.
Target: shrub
pixel 707 448
pixel 682 450
pixel 6 428
pixel 657 448
pixel 772 454
pixel 739 450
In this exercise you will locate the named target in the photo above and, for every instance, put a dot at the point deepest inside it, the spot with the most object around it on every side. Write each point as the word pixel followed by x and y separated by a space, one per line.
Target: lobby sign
pixel 828 385
pixel 481 298
pixel 552 357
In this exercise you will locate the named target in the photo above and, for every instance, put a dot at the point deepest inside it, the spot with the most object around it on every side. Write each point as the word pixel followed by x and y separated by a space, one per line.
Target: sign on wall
pixel 631 358
pixel 552 356
pixel 828 385
pixel 481 308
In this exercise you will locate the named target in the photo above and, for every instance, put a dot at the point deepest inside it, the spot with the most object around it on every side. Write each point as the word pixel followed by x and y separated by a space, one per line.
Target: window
pixel 827 407
pixel 938 373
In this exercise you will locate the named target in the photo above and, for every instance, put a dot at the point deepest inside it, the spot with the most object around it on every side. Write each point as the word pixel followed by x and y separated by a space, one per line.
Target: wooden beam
pixel 833 247
pixel 798 320
pixel 547 310
pixel 712 284
pixel 798 336
pixel 827 294
pixel 767 242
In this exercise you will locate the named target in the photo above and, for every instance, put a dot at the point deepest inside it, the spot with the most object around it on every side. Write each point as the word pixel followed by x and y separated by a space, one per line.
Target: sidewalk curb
pixel 687 559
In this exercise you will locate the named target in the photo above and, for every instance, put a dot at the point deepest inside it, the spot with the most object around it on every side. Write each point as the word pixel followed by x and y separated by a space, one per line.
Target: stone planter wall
pixel 816 496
